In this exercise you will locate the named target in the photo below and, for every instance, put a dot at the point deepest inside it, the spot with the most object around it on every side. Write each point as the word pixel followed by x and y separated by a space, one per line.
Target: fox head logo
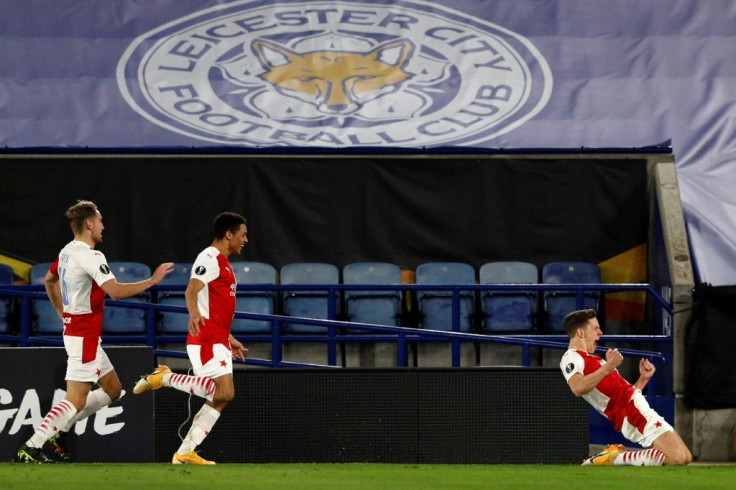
pixel 336 82
pixel 387 74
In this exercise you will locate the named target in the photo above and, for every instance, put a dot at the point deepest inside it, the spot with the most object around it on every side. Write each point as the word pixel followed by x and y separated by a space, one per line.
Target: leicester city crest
pixel 335 74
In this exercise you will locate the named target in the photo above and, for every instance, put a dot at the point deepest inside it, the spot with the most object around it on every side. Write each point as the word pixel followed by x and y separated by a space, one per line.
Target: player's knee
pixel 688 457
pixel 680 458
pixel 224 395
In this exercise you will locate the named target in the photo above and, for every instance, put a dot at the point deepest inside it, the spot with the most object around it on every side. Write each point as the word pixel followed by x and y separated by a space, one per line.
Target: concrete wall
pixel 714 435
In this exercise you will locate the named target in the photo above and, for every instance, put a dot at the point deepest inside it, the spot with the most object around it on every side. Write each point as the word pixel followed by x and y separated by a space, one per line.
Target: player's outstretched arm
pixel 117 290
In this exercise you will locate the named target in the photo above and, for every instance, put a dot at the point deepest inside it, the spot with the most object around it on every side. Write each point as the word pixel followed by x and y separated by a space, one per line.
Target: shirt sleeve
pixel 54 267
pixel 95 264
pixel 205 268
pixel 572 363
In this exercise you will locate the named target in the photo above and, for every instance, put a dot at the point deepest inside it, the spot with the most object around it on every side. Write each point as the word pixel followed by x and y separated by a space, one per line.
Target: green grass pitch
pixel 360 476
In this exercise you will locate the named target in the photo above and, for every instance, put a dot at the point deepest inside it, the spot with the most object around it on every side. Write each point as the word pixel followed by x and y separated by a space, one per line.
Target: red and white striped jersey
pixel 216 301
pixel 610 396
pixel 81 271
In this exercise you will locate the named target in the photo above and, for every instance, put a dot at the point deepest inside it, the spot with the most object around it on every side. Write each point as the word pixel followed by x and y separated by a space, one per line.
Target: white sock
pixel 201 426
pixel 196 385
pixel 96 400
pixel 647 457
pixel 57 418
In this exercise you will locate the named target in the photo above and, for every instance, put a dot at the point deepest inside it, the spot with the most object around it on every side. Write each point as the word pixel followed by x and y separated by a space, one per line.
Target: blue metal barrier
pixel 402 336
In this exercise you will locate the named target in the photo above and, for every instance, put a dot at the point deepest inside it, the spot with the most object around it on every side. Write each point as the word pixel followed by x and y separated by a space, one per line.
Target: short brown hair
pixel 79 213
pixel 577 319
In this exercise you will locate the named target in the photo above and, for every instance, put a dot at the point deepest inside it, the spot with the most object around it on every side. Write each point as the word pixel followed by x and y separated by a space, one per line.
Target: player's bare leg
pixel 110 384
pixel 224 393
pixel 674 448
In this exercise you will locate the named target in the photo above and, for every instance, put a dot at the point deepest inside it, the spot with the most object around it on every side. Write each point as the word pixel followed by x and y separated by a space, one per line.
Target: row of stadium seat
pixel 488 311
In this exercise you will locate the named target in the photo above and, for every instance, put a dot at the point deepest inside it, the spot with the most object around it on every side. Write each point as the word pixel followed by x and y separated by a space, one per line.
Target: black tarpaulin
pixel 711 349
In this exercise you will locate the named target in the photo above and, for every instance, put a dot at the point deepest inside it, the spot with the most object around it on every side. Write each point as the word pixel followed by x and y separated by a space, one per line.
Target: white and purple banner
pixel 510 74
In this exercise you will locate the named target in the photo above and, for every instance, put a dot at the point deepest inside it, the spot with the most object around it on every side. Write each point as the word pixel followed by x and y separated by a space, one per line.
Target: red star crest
pixel 658 424
pixel 223 363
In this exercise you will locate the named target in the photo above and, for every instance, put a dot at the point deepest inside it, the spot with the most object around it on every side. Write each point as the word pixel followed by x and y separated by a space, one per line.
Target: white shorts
pixel 650 424
pixel 220 364
pixel 91 370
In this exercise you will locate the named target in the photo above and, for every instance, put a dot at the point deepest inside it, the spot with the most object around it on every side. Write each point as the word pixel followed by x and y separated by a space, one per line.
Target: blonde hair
pixel 79 213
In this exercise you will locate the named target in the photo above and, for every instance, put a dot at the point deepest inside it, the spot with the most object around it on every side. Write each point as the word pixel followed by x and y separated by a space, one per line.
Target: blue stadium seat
pixel 127 320
pixel 558 304
pixel 47 320
pixel 173 322
pixel 509 311
pixel 6 279
pixel 307 304
pixel 262 302
pixel 378 307
pixel 436 306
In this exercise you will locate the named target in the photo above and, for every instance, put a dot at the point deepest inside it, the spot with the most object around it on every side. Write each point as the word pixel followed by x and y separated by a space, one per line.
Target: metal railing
pixel 334 334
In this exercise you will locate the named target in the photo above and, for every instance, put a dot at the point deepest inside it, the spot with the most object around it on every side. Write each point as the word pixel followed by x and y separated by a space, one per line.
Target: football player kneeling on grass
pixel 600 384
